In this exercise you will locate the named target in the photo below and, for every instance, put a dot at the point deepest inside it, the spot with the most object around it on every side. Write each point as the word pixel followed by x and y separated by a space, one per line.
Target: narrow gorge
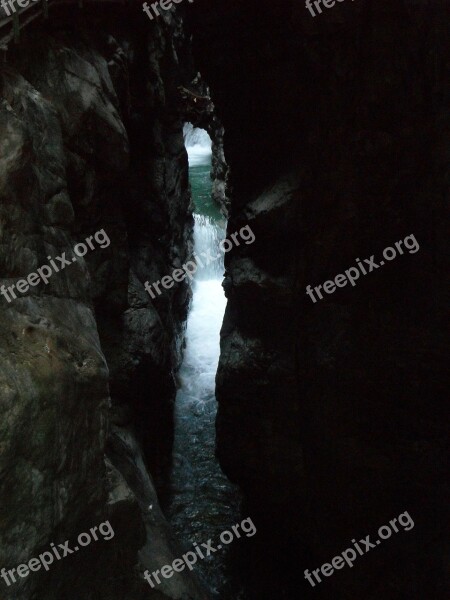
pixel 268 149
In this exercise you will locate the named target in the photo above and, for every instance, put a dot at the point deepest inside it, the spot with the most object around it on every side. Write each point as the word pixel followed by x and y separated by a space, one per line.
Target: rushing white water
pixel 202 502
pixel 198 145
pixel 205 319
pixel 202 348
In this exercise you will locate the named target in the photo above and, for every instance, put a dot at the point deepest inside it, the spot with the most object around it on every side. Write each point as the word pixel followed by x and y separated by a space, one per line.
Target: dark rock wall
pixel 54 374
pixel 332 414
pixel 90 139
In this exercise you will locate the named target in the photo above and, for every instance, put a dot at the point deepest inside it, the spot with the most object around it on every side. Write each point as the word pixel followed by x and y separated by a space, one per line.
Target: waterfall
pixel 202 502
pixel 209 227
pixel 198 145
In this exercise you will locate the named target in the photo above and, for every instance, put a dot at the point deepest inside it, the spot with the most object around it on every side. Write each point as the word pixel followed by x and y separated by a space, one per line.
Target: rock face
pixel 91 140
pixel 54 374
pixel 331 413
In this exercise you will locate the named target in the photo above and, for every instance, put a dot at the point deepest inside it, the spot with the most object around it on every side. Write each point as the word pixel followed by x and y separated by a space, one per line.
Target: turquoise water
pixel 200 179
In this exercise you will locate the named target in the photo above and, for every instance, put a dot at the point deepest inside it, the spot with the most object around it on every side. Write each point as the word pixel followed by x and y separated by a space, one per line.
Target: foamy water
pixel 198 145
